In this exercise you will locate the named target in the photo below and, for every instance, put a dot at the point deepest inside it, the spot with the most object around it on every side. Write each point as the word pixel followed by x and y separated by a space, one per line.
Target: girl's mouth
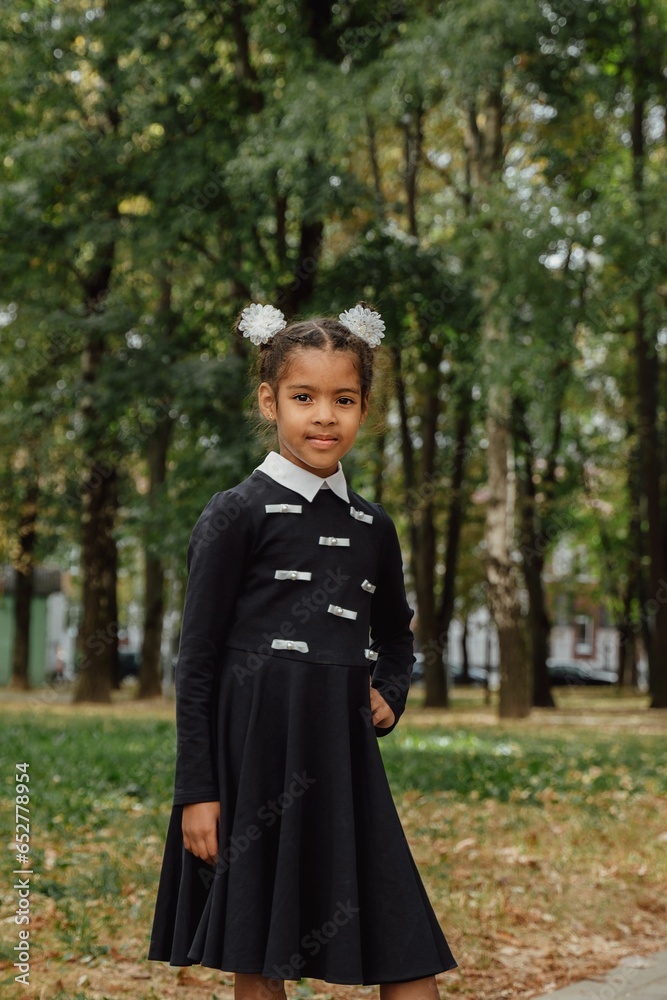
pixel 323 442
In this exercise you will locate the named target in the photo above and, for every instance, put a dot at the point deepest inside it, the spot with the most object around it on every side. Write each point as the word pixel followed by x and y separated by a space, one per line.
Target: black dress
pixel 314 876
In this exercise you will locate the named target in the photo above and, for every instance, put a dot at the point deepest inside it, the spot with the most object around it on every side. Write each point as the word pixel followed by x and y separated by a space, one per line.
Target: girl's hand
pixel 383 716
pixel 200 829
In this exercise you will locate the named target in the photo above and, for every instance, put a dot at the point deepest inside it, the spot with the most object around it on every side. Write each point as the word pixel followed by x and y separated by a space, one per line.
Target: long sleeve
pixel 216 557
pixel 391 635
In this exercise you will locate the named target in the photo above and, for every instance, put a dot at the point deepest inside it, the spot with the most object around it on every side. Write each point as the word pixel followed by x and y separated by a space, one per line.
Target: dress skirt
pixel 314 875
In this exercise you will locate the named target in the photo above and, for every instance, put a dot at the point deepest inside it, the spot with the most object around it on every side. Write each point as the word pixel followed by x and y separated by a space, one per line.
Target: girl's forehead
pixel 319 367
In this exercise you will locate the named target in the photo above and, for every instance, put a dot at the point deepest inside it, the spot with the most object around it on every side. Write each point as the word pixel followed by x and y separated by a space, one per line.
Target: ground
pixel 541 842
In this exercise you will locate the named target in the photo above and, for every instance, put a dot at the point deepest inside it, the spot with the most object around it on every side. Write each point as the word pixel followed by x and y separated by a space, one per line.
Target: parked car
pixel 477 676
pixel 573 672
pixel 128 664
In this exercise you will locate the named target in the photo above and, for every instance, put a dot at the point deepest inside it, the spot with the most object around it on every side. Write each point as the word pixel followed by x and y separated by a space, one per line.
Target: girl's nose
pixel 325 414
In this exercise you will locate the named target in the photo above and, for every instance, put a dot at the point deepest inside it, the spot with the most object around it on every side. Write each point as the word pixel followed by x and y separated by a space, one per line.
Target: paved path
pixel 635 979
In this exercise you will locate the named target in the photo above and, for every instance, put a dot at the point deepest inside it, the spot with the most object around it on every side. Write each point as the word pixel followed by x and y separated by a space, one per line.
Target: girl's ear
pixel 267 401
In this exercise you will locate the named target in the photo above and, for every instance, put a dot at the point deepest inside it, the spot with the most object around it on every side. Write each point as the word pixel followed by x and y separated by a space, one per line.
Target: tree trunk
pixel 647 401
pixel 628 673
pixel 627 655
pixel 413 137
pixel 656 606
pixel 534 534
pixel 293 297
pixel 436 694
pixel 97 643
pixel 454 527
pixel 430 634
pixel 484 149
pixel 540 628
pixel 515 676
pixel 24 566
pixel 150 671
pixel 150 675
pixel 250 94
pixel 532 564
pixel 407 450
pixel 281 227
pixel 375 166
pixel 379 459
pixel 433 636
pixel 407 464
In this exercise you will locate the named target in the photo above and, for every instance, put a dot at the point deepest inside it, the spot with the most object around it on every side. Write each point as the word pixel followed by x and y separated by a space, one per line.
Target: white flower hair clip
pixel 366 323
pixel 260 323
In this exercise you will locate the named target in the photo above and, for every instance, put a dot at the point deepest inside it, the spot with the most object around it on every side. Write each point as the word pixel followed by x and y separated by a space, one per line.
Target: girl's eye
pixel 304 397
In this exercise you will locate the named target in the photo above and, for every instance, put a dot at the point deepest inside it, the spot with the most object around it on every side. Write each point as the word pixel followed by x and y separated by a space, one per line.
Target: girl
pixel 285 857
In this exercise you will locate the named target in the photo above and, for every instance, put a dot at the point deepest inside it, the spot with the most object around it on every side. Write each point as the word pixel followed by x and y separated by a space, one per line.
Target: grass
pixel 526 767
pixel 541 842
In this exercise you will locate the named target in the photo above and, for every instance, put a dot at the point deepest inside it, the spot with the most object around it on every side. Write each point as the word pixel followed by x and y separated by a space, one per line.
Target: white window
pixel 583 634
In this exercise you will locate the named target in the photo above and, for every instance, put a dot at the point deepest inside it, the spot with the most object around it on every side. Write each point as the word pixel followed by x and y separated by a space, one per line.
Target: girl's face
pixel 318 410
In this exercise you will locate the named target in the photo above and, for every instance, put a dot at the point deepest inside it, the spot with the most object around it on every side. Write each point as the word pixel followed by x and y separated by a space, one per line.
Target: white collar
pixel 300 480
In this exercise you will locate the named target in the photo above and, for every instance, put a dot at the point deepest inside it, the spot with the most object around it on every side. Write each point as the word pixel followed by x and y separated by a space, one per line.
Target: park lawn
pixel 542 843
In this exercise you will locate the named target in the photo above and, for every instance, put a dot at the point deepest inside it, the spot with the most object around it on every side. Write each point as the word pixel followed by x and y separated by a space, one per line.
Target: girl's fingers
pixel 384 718
pixel 200 830
pixel 205 847
pixel 382 714
pixel 211 849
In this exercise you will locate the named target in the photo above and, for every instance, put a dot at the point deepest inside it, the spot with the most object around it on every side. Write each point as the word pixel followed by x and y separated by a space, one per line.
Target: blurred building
pixel 49 639
pixel 582 632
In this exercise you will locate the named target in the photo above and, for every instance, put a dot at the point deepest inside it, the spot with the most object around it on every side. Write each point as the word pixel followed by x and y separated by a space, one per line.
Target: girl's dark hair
pixel 272 358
